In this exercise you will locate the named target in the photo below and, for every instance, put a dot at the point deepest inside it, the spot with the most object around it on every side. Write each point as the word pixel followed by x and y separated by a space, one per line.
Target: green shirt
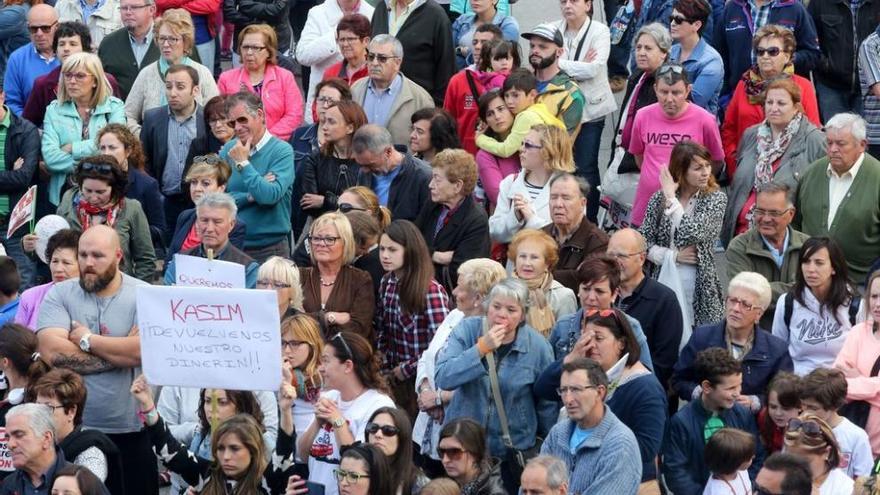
pixel 4 127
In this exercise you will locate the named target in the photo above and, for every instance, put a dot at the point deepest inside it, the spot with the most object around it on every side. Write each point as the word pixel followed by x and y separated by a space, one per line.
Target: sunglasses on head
pixel 241 120
pixel 602 313
pixel 347 207
pixel 96 167
pixel 340 338
pixel 674 68
pixel 387 430
pixel 809 427
pixel 209 159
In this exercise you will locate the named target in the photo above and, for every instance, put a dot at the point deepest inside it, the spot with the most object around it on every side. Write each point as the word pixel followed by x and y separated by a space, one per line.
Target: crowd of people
pixel 468 301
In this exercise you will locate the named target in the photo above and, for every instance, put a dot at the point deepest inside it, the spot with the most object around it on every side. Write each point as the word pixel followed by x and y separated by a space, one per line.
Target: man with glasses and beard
pixel 88 325
pixel 556 89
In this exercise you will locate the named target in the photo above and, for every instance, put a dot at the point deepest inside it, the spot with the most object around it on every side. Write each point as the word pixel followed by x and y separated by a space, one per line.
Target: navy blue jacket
pixel 733 37
pixel 769 355
pixel 684 467
pixel 185 222
pixel 145 189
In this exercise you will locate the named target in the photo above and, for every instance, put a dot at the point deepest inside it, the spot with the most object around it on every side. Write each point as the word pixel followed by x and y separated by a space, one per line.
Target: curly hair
pixel 131 143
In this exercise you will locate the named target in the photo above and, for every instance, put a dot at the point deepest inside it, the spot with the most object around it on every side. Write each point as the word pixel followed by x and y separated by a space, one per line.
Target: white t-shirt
pixel 741 485
pixel 837 483
pixel 855 449
pixel 324 454
pixel 814 338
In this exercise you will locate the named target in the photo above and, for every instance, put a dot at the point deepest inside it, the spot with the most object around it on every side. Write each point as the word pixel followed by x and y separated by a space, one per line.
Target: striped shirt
pixel 534 191
pixel 869 75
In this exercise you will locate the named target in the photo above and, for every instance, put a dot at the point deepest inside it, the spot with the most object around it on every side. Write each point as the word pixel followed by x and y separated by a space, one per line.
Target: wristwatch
pixel 240 165
pixel 84 342
pixel 331 318
pixel 338 423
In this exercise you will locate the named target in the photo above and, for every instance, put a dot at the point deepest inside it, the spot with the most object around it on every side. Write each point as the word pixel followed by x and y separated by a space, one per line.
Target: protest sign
pixel 23 211
pixel 192 271
pixel 210 338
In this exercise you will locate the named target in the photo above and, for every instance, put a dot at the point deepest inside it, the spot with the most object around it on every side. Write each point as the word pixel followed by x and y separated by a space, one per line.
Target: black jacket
pixel 154 138
pixel 145 189
pixel 185 222
pixel 426 36
pixel 22 141
pixel 118 59
pixel 489 482
pixel 370 263
pixel 409 190
pixel 327 176
pixel 838 67
pixel 466 233
pixel 14 484
pixel 243 13
pixel 79 440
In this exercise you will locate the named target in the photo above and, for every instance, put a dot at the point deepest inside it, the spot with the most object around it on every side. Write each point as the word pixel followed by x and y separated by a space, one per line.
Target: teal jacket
pixel 264 206
pixel 62 126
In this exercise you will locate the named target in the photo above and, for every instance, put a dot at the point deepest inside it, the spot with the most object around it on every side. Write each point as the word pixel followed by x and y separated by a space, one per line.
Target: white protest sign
pixel 210 338
pixel 192 271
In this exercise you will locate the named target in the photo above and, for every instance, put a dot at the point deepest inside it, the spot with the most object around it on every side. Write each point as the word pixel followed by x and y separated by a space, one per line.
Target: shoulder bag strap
pixel 472 84
pixel 876 369
pixel 496 392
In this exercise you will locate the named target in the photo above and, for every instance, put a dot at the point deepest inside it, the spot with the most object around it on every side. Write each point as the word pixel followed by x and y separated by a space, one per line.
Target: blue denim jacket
pixel 705 71
pixel 567 331
pixel 460 368
pixel 465 23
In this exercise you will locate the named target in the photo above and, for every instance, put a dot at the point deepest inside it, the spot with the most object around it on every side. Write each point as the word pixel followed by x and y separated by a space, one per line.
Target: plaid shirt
pixel 760 17
pixel 402 337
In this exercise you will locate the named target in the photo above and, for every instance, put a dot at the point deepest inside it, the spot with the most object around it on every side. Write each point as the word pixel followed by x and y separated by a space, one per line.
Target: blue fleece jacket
pixel 24 66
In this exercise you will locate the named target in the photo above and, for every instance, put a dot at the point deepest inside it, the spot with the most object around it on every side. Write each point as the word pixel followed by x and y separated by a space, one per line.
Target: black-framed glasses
pixel 243 120
pixel 773 51
pixel 101 168
pixel 381 58
pixel 347 207
pixel 44 29
pixel 211 159
pixel 328 241
pixel 51 406
pixel 679 19
pixel 327 100
pixel 809 427
pixel 348 476
pixel 761 212
pixel 562 391
pixel 252 48
pixel 387 430
pixel 291 344
pixel 340 338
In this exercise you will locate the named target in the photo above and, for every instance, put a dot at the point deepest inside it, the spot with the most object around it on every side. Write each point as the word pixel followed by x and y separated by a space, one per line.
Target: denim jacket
pixel 466 22
pixel 460 368
pixel 567 331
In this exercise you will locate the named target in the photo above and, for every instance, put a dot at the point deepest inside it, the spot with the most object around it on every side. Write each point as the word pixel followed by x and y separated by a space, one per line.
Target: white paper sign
pixel 193 271
pixel 210 338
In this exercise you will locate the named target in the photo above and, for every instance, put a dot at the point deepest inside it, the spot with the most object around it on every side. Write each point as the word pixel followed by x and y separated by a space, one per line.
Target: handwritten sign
pixel 192 271
pixel 210 338
pixel 23 211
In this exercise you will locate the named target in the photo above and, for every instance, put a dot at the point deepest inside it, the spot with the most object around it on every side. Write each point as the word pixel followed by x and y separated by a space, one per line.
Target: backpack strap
pixel 788 309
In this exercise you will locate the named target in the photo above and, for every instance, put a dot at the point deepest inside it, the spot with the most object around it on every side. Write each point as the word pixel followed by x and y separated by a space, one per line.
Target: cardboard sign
pixel 192 271
pixel 210 338
pixel 23 211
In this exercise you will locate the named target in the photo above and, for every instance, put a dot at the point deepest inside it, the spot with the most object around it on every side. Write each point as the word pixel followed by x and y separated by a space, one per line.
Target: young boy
pixel 823 392
pixel 729 453
pixel 519 92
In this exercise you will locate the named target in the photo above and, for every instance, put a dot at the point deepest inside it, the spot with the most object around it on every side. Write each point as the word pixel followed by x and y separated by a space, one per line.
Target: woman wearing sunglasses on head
pixel 354 390
pixel 335 293
pixel 812 439
pixel 466 459
pixel 390 429
pixel 99 199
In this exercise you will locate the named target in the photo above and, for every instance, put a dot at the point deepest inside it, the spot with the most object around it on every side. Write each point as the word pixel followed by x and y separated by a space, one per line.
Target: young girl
pixel 783 403
pixel 301 348
pixel 411 306
pixel 729 453
pixel 497 59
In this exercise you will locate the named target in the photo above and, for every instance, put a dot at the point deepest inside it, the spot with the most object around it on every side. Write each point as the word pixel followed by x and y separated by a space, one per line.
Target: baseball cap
pixel 547 31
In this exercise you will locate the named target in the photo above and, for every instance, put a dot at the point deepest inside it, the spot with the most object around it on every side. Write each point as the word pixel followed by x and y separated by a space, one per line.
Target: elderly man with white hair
pixel 762 355
pixel 544 475
pixel 839 195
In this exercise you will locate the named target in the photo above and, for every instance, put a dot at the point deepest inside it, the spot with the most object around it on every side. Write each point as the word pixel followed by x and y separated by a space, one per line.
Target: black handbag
pixel 857 411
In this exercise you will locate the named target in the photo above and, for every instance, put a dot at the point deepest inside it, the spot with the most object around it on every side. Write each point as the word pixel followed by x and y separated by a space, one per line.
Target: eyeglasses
pixel 102 168
pixel 78 76
pixel 620 256
pixel 44 29
pixel 252 48
pixel 772 51
pixel 347 40
pixel 531 146
pixel 760 212
pixel 387 430
pixel 243 120
pixel 327 101
pixel 350 477
pixel 453 453
pixel 674 68
pixel 562 391
pixel 339 337
pixel 271 284
pixel 381 58
pixel 732 301
pixel 170 40
pixel 285 344
pixel 328 241
pixel 217 122
pixel 51 406
pixel 132 8
pixel 809 427
pixel 679 19
pixel 347 207
pixel 209 159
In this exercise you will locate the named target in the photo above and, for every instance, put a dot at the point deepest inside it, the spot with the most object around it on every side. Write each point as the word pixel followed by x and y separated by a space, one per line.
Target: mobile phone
pixel 315 488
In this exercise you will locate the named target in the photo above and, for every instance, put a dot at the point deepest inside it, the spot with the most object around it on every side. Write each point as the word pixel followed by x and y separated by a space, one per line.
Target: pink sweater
pixel 860 351
pixel 493 170
pixel 282 100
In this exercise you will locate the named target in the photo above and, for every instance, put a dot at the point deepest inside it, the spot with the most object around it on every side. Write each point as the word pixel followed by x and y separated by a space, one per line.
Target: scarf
pixel 304 390
pixel 540 315
pixel 755 82
pixel 85 211
pixel 769 151
pixel 163 66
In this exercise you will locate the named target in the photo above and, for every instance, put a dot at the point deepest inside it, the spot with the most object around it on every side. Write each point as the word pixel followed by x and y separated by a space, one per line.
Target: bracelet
pixel 148 411
pixel 482 347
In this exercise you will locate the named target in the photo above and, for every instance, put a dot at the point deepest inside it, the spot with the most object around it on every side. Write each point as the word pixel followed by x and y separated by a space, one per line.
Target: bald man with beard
pixel 89 325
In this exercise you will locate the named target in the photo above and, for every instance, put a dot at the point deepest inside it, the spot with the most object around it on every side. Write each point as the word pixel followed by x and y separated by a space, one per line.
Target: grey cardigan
pixel 807 146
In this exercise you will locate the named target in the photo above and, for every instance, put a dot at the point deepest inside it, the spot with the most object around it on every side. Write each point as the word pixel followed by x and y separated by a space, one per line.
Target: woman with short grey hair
pixel 519 353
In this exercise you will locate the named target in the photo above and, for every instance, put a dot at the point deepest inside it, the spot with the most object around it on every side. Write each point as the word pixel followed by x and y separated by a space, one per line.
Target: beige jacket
pixel 412 97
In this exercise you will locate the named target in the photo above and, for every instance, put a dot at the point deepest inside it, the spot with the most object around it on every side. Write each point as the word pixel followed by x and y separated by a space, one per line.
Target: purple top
pixel 29 305
pixel 493 169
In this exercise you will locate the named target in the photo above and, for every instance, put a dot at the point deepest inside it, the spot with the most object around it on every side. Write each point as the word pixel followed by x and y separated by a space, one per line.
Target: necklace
pixel 327 284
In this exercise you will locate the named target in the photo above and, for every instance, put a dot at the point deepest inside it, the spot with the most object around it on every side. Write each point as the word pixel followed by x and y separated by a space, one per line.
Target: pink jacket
pixel 282 100
pixel 860 351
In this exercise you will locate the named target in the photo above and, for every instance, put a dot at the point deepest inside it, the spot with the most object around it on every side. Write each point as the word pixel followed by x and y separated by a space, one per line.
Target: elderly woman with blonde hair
pixel 174 34
pixel 282 276
pixel 337 294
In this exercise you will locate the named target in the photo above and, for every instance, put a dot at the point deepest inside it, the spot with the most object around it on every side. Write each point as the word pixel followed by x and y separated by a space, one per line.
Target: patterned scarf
pixel 85 211
pixel 755 82
pixel 770 150
pixel 540 315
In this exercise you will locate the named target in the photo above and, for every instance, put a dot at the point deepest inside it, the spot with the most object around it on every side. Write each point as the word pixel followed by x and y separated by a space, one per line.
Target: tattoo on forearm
pixel 84 365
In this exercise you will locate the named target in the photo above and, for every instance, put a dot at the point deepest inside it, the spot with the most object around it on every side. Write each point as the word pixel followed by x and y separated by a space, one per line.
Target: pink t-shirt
pixel 654 135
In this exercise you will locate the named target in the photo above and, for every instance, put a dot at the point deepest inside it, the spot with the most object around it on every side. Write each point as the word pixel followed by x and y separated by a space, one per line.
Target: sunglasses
pixel 44 29
pixel 347 207
pixel 381 58
pixel 96 167
pixel 241 120
pixel 674 68
pixel 679 19
pixel 453 453
pixel 602 313
pixel 387 430
pixel 211 159
pixel 809 427
pixel 772 51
